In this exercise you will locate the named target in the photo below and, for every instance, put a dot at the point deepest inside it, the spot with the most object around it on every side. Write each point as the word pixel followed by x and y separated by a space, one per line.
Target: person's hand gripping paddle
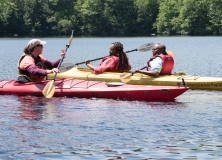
pixel 49 89
pixel 126 77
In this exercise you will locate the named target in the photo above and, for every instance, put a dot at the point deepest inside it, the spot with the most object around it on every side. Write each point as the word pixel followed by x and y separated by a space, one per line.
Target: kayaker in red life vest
pixel 32 66
pixel 116 62
pixel 160 63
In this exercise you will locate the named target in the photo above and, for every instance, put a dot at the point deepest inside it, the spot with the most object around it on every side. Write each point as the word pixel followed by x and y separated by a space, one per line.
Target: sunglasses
pixel 39 45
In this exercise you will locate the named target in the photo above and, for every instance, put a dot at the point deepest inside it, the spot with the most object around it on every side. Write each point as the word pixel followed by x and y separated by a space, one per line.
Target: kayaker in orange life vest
pixel 160 63
pixel 32 66
pixel 116 62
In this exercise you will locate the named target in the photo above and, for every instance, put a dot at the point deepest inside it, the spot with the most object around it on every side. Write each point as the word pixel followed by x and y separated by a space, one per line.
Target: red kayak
pixel 89 89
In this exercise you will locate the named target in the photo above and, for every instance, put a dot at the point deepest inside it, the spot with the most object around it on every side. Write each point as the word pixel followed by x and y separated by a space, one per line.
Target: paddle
pixel 66 66
pixel 143 48
pixel 126 77
pixel 49 89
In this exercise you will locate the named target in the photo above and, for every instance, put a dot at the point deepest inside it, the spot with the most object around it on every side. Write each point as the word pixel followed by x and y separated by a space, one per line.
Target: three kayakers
pixel 32 66
pixel 160 63
pixel 116 62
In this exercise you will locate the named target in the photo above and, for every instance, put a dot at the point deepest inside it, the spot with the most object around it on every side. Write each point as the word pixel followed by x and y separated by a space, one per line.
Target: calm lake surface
pixel 76 128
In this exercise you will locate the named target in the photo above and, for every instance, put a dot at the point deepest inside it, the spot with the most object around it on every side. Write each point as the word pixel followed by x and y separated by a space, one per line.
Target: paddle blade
pixel 70 39
pixel 65 67
pixel 170 53
pixel 49 89
pixel 146 47
pixel 125 77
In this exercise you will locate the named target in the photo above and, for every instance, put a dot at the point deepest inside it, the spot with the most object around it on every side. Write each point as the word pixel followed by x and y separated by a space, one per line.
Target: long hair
pixel 28 51
pixel 123 59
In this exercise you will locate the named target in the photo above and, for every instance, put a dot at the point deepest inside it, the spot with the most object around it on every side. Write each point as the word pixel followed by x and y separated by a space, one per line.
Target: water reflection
pixel 34 108
pixel 31 108
pixel 73 128
pixel 80 128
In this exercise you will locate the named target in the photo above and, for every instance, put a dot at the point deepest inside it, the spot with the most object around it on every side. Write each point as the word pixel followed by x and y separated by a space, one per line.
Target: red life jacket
pixel 114 67
pixel 168 63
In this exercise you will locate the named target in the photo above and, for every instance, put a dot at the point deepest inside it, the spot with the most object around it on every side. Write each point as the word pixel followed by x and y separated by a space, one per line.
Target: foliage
pixel 147 11
pixel 215 17
pixel 110 17
pixel 195 17
pixel 168 21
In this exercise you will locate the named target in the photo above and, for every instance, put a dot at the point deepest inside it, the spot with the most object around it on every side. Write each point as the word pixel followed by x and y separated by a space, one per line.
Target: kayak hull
pixel 90 89
pixel 193 82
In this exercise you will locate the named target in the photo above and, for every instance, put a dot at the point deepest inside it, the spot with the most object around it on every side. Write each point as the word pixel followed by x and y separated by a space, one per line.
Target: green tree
pixel 194 17
pixel 107 17
pixel 168 21
pixel 17 22
pixel 122 17
pixel 36 14
pixel 90 16
pixel 64 17
pixel 65 26
pixel 215 15
pixel 110 17
pixel 8 17
pixel 147 11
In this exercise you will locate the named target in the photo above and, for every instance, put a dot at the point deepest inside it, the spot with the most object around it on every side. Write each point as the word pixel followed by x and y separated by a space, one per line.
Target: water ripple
pixel 78 128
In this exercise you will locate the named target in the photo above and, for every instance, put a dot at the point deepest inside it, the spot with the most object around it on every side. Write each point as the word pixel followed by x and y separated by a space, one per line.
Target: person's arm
pixel 51 65
pixel 149 73
pixel 87 62
pixel 28 64
pixel 154 69
pixel 32 69
pixel 107 64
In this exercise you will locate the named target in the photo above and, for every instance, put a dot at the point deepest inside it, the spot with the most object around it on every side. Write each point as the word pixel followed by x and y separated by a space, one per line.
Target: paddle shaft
pixel 125 77
pixel 49 90
pixel 142 68
pixel 60 62
pixel 103 57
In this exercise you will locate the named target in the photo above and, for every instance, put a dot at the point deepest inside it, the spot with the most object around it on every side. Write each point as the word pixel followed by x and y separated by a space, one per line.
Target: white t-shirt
pixel 156 64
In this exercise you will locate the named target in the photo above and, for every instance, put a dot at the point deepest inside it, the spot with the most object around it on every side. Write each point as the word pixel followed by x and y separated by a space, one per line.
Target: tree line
pixel 110 17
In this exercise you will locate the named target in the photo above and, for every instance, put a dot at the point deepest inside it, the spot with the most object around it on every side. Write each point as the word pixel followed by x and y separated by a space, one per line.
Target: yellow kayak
pixel 193 82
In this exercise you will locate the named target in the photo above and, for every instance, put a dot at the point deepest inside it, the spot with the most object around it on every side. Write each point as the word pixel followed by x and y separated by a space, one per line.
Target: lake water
pixel 77 128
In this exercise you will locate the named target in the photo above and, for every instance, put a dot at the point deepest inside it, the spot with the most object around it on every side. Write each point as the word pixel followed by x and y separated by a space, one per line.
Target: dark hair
pixel 123 59
pixel 28 51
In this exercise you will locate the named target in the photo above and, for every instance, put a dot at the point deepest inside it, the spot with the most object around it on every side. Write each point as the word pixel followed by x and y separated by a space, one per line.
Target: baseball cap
pixel 34 42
